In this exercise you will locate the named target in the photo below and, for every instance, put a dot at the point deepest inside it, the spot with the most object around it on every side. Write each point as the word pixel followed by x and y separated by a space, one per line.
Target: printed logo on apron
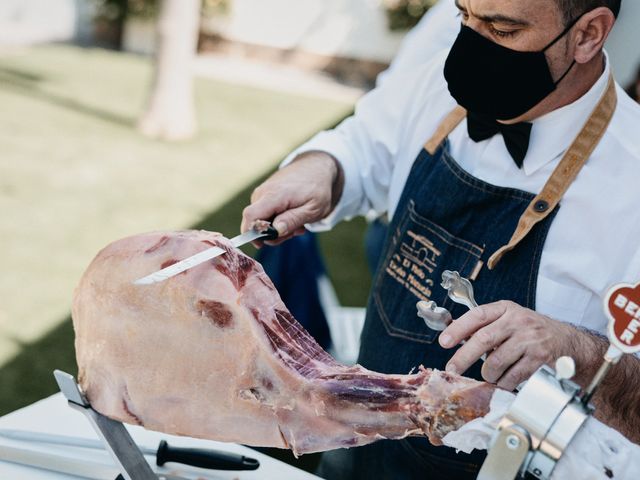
pixel 411 267
pixel 415 265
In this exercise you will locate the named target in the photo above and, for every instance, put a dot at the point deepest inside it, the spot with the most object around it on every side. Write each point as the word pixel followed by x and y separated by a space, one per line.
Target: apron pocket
pixel 418 252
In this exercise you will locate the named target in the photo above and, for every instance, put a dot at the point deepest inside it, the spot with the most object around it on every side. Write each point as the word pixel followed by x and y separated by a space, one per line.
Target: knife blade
pixel 269 233
pixel 165 453
pixel 67 465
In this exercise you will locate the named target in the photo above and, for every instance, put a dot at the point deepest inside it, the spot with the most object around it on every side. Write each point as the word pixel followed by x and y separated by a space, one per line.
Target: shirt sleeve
pixel 366 144
pixel 632 275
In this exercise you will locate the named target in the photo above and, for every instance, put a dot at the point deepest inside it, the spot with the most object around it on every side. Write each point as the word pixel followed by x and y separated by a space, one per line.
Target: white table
pixel 53 415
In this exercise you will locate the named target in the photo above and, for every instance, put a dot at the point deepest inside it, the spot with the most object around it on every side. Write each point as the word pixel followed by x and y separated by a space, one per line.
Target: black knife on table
pixel 196 457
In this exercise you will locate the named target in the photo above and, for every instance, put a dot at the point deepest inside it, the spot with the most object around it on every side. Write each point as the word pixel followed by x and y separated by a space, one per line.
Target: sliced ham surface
pixel 214 353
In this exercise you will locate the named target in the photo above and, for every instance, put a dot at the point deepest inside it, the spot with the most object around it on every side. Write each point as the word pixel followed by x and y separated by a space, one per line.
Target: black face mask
pixel 495 81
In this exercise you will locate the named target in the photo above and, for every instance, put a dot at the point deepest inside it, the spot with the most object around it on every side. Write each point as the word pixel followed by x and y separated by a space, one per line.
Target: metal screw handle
pixel 458 288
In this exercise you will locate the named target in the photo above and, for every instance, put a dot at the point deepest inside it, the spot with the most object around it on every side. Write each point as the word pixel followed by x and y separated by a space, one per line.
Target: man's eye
pixel 464 15
pixel 501 33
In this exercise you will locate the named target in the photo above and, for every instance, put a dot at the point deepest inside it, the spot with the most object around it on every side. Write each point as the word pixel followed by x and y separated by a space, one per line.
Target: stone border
pixel 350 71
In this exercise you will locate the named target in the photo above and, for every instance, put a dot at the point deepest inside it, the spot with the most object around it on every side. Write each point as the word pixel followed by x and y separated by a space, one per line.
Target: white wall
pixel 346 28
pixel 624 44
pixel 24 22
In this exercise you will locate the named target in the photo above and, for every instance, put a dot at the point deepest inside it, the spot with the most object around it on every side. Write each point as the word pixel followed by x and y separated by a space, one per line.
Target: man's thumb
pixel 290 221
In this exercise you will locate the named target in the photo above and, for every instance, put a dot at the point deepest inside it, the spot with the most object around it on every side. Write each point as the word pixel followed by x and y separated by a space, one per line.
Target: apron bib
pixel 446 219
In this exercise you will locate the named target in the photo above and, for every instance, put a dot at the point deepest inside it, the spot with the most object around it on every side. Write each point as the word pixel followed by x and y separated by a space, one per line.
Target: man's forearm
pixel 617 399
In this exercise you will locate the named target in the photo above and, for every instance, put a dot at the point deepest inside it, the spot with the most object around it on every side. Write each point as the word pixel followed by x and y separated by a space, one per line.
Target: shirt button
pixel 541 206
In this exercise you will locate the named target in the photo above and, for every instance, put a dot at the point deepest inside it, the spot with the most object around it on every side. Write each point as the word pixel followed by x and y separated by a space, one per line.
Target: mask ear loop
pixel 571 24
pixel 565 73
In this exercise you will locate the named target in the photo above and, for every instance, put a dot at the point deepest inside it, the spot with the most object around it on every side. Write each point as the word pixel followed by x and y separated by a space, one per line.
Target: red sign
pixel 622 305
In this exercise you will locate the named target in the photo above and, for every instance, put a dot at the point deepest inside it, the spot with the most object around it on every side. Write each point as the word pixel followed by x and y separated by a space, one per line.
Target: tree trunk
pixel 170 114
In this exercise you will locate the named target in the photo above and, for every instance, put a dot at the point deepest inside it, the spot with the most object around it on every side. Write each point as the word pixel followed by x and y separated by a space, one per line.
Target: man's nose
pixel 474 23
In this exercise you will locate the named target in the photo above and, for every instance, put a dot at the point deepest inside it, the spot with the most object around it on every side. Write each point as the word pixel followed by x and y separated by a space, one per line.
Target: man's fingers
pixel 501 359
pixel 470 322
pixel 263 209
pixel 517 374
pixel 280 240
pixel 291 221
pixel 483 341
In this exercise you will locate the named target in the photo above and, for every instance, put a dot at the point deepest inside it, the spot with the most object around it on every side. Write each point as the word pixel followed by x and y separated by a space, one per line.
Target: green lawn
pixel 75 175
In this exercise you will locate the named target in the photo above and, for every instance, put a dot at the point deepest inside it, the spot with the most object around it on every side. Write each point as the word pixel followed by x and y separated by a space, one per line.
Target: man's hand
pixel 517 341
pixel 305 191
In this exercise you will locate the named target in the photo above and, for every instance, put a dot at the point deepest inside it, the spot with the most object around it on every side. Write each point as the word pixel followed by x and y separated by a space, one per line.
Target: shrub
pixel 114 9
pixel 404 14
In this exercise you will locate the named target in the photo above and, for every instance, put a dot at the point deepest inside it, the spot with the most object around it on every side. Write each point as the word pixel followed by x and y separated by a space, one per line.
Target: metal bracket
pixel 548 411
pixel 113 434
pixel 508 453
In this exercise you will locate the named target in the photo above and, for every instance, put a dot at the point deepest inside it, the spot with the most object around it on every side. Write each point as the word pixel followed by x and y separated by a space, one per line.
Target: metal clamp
pixel 541 423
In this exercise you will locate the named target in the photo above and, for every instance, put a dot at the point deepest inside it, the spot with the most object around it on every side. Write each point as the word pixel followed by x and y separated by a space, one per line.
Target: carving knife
pixel 71 466
pixel 203 458
pixel 266 233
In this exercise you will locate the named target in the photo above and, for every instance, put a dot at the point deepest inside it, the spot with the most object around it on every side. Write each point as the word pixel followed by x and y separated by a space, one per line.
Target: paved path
pixel 279 78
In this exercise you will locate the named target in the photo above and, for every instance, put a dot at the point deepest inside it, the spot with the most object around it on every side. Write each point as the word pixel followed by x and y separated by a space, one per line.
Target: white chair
pixel 345 323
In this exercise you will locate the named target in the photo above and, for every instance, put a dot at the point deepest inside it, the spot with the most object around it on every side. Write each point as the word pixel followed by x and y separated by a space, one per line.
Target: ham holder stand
pixel 129 457
pixel 113 434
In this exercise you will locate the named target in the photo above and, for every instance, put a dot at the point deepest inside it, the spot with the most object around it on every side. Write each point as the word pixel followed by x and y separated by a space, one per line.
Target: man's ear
pixel 592 32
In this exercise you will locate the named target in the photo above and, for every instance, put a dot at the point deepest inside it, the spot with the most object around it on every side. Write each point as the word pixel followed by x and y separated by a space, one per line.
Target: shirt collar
pixel 553 133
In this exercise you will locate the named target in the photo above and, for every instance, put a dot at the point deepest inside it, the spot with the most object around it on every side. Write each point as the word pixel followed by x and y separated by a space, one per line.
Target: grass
pixel 75 175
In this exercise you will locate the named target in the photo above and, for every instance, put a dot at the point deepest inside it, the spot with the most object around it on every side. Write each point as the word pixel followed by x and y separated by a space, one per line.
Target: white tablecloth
pixel 53 415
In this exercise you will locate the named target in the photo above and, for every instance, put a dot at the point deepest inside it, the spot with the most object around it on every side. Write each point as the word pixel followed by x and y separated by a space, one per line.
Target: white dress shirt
pixel 593 242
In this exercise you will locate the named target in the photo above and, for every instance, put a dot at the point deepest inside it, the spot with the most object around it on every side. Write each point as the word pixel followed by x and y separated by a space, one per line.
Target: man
pixel 527 185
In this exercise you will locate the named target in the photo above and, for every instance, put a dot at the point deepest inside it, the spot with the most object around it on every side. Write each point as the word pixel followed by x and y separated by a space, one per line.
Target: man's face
pixel 523 25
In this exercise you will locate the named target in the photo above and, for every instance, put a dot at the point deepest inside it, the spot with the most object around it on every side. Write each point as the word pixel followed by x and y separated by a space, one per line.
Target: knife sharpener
pixel 113 434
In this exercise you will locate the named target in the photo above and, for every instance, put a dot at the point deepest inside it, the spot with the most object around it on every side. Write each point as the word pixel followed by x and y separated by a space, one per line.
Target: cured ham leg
pixel 214 353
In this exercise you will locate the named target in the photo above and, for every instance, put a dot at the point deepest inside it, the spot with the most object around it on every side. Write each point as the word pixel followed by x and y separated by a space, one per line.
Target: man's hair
pixel 571 9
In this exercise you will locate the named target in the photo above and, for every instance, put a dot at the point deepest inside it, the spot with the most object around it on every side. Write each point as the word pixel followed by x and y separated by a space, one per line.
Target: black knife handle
pixel 270 233
pixel 198 457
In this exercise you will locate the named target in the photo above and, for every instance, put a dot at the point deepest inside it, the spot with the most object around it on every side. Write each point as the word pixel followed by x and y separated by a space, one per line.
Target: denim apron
pixel 446 219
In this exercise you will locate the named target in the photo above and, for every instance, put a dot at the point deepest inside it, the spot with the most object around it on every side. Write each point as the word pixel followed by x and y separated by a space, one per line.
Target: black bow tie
pixel 516 136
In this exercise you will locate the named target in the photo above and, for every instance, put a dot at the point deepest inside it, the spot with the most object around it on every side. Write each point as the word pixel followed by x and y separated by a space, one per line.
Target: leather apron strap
pixel 448 125
pixel 561 178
